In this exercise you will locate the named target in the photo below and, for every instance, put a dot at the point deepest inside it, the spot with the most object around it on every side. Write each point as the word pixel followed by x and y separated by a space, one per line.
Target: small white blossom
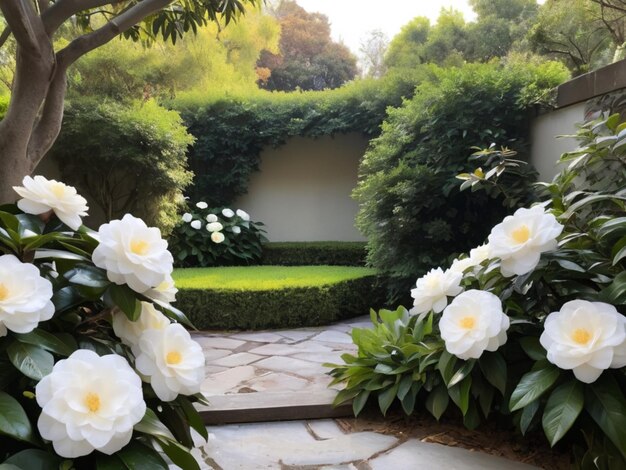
pixel 211 218
pixel 586 337
pixel 243 214
pixel 164 292
pixel 431 291
pixel 461 265
pixel 520 239
pixel 214 227
pixel 217 237
pixel 25 296
pixel 473 323
pixel 41 195
pixel 130 331
pixel 89 402
pixel 236 230
pixel 187 217
pixel 171 361
pixel 228 213
pixel 133 253
pixel 196 224
pixel 479 254
pixel 201 205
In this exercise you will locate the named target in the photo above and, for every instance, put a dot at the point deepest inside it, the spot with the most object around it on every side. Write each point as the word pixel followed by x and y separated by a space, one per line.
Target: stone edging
pixel 599 82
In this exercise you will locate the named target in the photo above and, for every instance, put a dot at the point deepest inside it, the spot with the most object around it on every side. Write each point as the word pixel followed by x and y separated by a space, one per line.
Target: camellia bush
pixel 530 325
pixel 216 237
pixel 96 367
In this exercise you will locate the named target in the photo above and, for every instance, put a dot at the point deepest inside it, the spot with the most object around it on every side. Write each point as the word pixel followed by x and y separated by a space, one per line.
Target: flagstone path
pixel 272 383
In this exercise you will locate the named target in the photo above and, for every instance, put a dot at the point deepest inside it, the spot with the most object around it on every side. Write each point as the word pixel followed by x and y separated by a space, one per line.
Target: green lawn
pixel 266 277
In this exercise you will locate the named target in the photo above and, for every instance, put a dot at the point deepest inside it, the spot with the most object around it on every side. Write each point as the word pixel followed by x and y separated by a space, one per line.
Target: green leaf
pixel 125 298
pixel 66 298
pixel 408 402
pixel 605 403
pixel 562 410
pixel 178 454
pixel 493 367
pixel 532 386
pixel 34 459
pixel 193 417
pixel 527 415
pixel 437 401
pixel 462 372
pixel 359 402
pixel 49 341
pixel 32 361
pixel 532 348
pixel 405 386
pixel 135 456
pixel 13 420
pixel 385 399
pixel 152 425
pixel 460 394
pixel 88 276
pixel 615 293
pixel 446 366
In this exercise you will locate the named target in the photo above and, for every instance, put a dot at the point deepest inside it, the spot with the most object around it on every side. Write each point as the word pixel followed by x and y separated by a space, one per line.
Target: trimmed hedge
pixel 281 308
pixel 314 253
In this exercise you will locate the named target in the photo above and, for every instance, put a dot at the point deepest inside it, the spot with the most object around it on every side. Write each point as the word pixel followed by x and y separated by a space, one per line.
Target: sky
pixel 352 19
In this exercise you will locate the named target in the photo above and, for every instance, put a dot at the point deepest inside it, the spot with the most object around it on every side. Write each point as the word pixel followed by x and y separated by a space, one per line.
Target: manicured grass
pixel 266 277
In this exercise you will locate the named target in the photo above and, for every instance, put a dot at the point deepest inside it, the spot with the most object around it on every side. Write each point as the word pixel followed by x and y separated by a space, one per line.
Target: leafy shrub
pixel 232 130
pixel 216 237
pixel 406 358
pixel 141 169
pixel 282 307
pixel 60 308
pixel 412 211
pixel 314 253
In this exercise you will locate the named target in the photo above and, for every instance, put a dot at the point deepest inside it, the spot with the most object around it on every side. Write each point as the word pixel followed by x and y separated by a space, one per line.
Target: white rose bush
pixel 530 326
pixel 96 365
pixel 216 236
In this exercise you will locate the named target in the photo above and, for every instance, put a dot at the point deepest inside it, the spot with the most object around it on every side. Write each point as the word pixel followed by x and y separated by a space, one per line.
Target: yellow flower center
pixel 58 189
pixel 521 234
pixel 479 173
pixel 581 336
pixel 173 357
pixel 139 247
pixel 92 400
pixel 4 292
pixel 467 323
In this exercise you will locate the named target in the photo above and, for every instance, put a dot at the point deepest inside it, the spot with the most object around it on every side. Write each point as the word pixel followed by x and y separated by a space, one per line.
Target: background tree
pixel 613 15
pixel 33 119
pixel 308 59
pixel 373 49
pixel 572 31
pixel 406 49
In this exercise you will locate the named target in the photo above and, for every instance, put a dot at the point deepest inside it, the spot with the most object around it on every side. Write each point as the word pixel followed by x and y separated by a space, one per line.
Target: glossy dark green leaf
pixel 527 415
pixel 493 367
pixel 605 402
pixel 385 398
pixel 62 345
pixel 88 276
pixel 532 347
pixel 562 409
pixel 152 425
pixel 66 298
pixel 126 299
pixel 13 419
pixel 135 456
pixel 193 417
pixel 32 361
pixel 437 401
pixel 460 394
pixel 359 402
pixel 461 372
pixel 533 385
pixel 178 454
pixel 34 459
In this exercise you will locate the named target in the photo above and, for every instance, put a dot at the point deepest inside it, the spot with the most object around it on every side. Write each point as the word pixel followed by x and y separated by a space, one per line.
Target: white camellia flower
pixel 236 230
pixel 187 217
pixel 461 265
pixel 24 296
pixel 431 291
pixel 473 323
pixel 479 254
pixel 130 331
pixel 217 237
pixel 196 224
pixel 41 195
pixel 214 227
pixel 228 213
pixel 89 402
pixel 133 253
pixel 520 239
pixel 211 218
pixel 586 337
pixel 171 360
pixel 243 214
pixel 201 205
pixel 164 292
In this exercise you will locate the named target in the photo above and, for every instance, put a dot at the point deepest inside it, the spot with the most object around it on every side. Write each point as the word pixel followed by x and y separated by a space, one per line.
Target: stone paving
pixel 267 363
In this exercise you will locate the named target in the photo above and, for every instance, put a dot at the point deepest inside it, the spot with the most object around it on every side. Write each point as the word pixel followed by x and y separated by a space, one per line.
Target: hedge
pixel 281 308
pixel 314 253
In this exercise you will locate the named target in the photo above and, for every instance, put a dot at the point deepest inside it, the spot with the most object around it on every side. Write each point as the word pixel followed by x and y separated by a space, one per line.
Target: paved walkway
pixel 247 370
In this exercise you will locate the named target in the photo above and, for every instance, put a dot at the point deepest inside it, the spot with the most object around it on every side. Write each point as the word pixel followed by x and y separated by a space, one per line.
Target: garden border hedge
pixel 281 308
pixel 314 253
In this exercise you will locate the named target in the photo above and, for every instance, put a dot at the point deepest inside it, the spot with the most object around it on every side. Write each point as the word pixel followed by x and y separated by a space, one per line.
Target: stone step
pixel 272 406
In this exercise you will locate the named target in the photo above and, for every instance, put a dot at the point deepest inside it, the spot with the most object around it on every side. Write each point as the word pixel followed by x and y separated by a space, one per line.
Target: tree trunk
pixel 13 167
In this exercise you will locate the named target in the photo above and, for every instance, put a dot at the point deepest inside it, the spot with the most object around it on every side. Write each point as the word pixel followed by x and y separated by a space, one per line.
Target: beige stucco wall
pixel 302 191
pixel 546 147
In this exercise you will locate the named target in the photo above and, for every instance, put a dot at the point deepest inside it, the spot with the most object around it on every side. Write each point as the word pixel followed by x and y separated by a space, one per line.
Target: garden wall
pixel 302 191
pixel 578 99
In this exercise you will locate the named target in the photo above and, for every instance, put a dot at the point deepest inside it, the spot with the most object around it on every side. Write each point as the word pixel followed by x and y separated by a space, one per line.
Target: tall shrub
pixel 411 208
pixel 126 158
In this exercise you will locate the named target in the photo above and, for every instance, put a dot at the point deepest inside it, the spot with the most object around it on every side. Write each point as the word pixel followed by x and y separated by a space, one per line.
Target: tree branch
pixel 5 35
pixel 62 10
pixel 25 24
pixel 123 22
